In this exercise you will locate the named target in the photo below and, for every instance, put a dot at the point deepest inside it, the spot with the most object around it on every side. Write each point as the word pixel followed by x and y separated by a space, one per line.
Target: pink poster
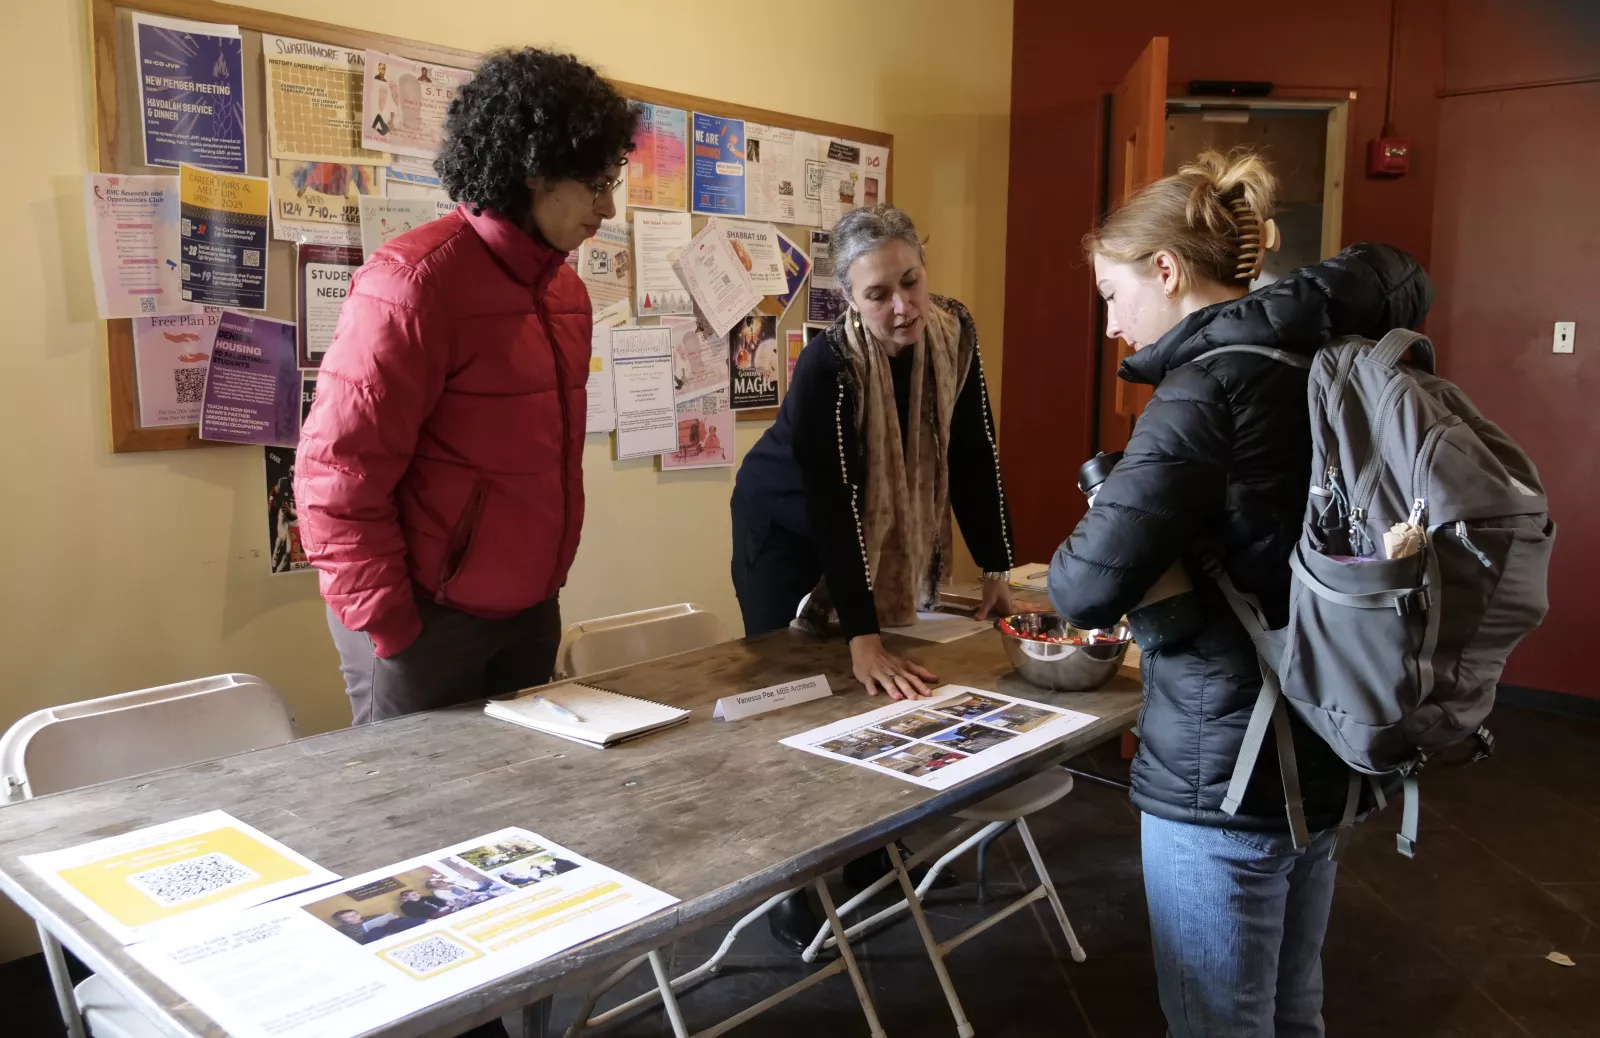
pixel 705 434
pixel 658 176
pixel 170 355
pixel 794 341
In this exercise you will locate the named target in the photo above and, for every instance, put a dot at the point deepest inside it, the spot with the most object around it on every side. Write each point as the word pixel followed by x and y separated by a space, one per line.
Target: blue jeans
pixel 1237 920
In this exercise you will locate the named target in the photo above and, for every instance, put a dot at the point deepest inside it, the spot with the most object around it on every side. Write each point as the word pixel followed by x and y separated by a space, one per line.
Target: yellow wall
pixel 128 571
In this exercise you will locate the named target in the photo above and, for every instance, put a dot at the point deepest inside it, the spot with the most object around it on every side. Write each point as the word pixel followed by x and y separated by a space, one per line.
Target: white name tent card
pixel 748 704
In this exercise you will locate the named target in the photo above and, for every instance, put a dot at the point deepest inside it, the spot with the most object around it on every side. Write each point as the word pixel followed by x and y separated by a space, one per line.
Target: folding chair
pixel 627 638
pixel 114 737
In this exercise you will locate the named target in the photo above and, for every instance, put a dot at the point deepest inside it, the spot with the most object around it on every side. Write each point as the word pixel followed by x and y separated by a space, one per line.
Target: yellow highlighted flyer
pixel 151 880
pixel 355 955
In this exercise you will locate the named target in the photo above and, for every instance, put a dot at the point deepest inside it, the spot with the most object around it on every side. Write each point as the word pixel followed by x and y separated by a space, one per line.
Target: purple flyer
pixel 253 386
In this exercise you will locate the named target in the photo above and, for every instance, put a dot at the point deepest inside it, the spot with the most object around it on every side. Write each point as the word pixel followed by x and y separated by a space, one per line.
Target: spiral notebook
pixel 583 713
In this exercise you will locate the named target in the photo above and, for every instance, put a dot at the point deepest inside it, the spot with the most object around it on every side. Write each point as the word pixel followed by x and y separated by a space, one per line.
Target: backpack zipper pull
pixel 1419 508
pixel 1461 532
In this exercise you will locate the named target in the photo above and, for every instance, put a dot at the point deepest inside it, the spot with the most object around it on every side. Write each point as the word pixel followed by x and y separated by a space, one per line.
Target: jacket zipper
pixel 566 428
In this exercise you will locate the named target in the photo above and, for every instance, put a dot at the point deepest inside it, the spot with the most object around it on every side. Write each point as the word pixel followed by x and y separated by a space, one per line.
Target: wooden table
pixel 717 814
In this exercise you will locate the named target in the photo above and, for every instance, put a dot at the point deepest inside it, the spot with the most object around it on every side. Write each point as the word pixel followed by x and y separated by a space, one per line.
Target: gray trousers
pixel 458 658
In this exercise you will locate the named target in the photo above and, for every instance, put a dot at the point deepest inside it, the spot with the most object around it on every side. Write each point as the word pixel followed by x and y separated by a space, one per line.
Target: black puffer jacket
pixel 1220 462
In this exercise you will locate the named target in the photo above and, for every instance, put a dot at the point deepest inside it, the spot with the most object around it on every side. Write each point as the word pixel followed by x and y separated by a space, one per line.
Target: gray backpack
pixel 1391 661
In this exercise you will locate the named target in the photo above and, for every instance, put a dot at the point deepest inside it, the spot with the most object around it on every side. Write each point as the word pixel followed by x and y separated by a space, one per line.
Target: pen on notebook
pixel 558 708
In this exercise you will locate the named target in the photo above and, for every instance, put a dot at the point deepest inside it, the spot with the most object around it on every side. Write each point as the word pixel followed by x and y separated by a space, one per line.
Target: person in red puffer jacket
pixel 440 478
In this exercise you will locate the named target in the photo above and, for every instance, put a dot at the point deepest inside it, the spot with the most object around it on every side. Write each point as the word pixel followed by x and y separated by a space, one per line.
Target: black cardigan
pixel 808 472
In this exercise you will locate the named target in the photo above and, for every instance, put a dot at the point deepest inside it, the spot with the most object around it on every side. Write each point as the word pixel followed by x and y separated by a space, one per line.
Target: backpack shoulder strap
pixel 1294 360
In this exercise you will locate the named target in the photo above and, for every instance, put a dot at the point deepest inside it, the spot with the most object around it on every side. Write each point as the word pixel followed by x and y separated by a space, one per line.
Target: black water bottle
pixel 1170 611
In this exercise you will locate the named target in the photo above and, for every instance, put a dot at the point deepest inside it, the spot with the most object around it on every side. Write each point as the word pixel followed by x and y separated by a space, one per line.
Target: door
pixel 1138 138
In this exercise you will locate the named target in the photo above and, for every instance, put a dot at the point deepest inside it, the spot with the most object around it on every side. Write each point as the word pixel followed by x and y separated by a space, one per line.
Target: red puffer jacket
pixel 445 447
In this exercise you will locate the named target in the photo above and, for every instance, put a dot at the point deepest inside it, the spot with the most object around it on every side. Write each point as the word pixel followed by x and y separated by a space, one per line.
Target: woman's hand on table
pixel 996 600
pixel 877 667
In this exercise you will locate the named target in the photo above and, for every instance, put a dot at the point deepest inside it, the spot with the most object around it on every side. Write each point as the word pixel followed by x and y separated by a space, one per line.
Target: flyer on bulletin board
pixel 253 384
pixel 134 244
pixel 718 185
pixel 314 102
pixel 753 362
pixel 170 356
pixel 756 245
pixel 602 413
pixel 191 91
pixel 385 219
pixel 641 361
pixel 699 359
pixel 705 433
pixel 404 104
pixel 657 237
pixel 605 264
pixel 166 876
pixel 794 340
pixel 825 303
pixel 658 174
pixel 796 268
pixel 224 230
pixel 324 273
pixel 319 203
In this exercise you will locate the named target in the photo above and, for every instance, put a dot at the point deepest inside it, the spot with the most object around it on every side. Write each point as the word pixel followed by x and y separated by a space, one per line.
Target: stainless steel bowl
pixel 1060 667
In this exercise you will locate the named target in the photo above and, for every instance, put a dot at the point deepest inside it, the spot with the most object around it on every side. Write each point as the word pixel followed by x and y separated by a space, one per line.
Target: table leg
pixel 533 1021
pixel 668 998
pixel 935 956
pixel 862 994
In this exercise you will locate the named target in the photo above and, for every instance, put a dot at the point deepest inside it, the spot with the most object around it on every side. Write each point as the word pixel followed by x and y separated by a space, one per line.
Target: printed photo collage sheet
pixel 939 742
pixel 267 943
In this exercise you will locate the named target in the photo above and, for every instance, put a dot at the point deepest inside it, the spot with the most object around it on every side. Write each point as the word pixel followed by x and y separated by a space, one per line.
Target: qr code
pixel 252 257
pixel 190 384
pixel 726 280
pixel 147 304
pixel 186 880
pixel 186 272
pixel 431 954
pixel 188 228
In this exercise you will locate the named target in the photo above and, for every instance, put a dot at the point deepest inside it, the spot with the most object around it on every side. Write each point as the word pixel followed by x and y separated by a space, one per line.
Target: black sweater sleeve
pixel 977 492
pixel 827 450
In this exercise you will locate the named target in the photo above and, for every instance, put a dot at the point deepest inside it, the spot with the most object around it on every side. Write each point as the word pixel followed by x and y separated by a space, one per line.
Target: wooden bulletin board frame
pixel 119 130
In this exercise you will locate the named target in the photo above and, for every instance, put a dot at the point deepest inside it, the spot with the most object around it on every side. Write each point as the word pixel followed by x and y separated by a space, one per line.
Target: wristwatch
pixel 1004 576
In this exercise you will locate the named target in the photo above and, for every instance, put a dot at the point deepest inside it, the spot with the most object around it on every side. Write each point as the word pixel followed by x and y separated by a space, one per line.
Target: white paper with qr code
pixel 938 742
pixel 163 877
pixel 365 951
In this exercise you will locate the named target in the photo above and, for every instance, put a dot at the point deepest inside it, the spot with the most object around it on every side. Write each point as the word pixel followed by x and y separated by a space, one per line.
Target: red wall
pixel 1516 248
pixel 1065 58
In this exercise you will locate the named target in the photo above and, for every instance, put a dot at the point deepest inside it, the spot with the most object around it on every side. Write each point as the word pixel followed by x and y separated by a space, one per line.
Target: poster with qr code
pixel 170 357
pixel 153 880
pixel 223 230
pixel 353 956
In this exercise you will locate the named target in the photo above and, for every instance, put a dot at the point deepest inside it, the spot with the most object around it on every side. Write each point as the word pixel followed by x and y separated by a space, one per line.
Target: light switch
pixel 1566 331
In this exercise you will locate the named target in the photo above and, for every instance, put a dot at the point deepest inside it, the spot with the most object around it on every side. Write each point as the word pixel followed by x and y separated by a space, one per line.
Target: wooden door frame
pixel 1337 143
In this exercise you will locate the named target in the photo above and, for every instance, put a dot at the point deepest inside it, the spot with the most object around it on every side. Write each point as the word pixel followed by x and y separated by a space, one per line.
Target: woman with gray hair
pixel 847 497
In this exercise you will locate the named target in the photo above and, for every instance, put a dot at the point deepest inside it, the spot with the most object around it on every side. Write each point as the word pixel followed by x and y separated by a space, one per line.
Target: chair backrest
pixel 627 638
pixel 97 740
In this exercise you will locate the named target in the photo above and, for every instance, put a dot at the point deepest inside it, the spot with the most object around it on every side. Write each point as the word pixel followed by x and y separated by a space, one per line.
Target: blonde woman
pixel 1218 463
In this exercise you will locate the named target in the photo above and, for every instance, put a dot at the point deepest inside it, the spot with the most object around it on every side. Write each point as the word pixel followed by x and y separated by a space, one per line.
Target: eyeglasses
pixel 605 185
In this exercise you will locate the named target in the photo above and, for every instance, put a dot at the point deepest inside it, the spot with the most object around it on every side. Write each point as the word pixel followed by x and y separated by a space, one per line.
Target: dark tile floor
pixel 1452 943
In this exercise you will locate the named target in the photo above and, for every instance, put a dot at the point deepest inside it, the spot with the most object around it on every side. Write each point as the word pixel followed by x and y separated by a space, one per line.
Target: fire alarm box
pixel 1388 157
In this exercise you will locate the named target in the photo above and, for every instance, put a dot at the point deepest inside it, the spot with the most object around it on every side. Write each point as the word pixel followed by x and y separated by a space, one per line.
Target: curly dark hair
pixel 530 113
